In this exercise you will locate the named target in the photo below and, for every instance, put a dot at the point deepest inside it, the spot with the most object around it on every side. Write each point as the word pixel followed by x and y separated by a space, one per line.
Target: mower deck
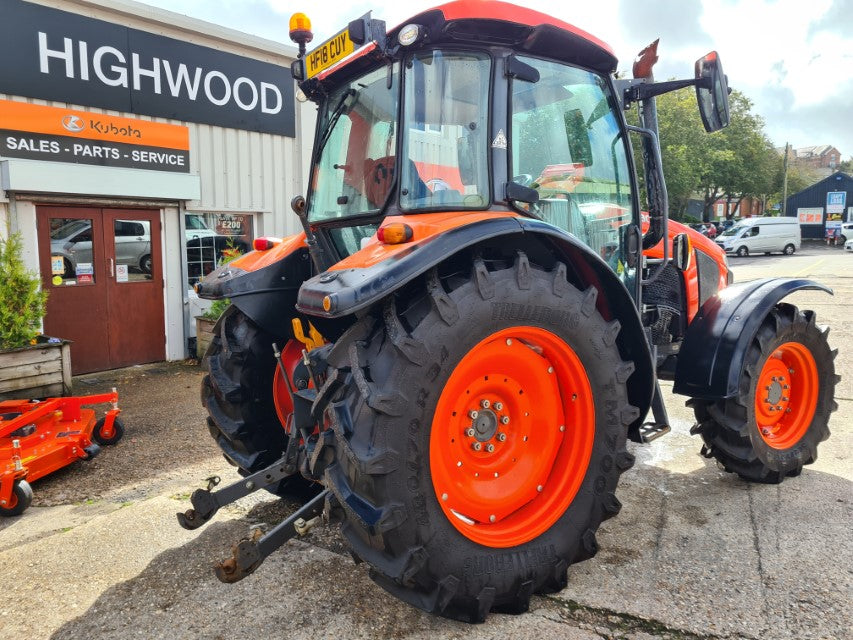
pixel 38 437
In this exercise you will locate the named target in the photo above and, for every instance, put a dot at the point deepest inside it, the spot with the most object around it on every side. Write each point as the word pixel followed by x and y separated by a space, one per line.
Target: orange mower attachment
pixel 37 437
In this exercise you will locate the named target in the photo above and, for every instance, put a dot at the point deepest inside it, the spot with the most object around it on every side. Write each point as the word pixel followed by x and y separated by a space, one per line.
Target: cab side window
pixel 567 144
pixel 753 231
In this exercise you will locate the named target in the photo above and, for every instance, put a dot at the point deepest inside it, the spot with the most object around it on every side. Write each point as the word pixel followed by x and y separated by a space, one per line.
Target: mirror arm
pixel 641 89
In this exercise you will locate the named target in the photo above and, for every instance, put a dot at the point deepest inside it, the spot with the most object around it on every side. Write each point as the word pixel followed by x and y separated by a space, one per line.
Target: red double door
pixel 103 271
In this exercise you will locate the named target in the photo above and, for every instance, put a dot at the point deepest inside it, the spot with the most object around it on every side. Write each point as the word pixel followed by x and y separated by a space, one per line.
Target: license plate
pixel 330 52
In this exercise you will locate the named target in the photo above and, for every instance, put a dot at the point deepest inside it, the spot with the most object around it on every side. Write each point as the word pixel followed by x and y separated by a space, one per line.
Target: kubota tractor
pixel 451 357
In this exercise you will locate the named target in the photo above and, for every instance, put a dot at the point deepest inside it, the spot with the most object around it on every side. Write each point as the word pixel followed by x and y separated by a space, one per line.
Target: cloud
pixel 678 19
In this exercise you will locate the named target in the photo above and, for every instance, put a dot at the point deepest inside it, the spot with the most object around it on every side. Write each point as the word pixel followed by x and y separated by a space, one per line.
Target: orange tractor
pixel 450 358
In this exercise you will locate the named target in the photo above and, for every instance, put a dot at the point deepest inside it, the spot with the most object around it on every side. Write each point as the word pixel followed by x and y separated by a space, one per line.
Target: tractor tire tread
pixel 362 476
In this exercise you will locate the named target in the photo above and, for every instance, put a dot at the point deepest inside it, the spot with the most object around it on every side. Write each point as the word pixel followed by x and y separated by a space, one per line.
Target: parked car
pixel 762 235
pixel 707 229
pixel 846 233
pixel 849 245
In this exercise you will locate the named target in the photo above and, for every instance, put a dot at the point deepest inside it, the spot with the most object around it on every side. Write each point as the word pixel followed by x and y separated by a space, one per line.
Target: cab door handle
pixel 112 267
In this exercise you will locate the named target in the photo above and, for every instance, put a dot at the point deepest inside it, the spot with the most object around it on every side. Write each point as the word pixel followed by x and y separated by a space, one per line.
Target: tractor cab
pixel 468 108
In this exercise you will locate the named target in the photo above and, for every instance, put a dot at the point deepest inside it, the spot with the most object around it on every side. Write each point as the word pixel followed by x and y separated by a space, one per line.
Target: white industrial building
pixel 135 145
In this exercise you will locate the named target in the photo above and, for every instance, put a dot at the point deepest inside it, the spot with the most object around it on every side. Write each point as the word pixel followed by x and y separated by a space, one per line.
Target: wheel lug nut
pixel 490 447
pixel 778 408
pixel 784 399
pixel 476 446
pixel 765 431
pixel 504 419
pixel 485 404
pixel 787 411
pixel 790 371
pixel 785 386
pixel 499 406
pixel 774 378
pixel 501 437
pixel 767 388
pixel 473 414
pixel 539 488
pixel 469 432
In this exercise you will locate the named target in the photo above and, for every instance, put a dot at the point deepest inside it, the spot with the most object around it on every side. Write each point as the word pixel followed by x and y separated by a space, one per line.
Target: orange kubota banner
pixel 58 134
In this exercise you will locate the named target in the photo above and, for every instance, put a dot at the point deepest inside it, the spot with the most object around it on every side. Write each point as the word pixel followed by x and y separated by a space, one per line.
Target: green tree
pixel 22 302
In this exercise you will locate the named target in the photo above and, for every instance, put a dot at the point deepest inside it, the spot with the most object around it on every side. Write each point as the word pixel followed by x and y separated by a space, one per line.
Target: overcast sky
pixel 793 58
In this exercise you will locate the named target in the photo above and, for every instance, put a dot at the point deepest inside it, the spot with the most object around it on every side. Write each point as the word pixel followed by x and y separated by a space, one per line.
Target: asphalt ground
pixel 696 553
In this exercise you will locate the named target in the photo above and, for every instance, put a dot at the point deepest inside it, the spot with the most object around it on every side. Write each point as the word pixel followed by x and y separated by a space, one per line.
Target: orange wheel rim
pixel 512 436
pixel 786 395
pixel 290 357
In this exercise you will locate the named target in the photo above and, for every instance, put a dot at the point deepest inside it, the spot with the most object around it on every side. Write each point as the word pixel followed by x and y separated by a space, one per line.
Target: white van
pixel 762 235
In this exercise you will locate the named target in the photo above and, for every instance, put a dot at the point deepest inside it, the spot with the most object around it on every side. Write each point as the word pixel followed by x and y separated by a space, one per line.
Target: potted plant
pixel 205 323
pixel 31 365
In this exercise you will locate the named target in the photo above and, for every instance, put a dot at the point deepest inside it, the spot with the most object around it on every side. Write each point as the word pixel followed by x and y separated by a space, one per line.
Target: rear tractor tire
pixel 775 423
pixel 238 393
pixel 480 438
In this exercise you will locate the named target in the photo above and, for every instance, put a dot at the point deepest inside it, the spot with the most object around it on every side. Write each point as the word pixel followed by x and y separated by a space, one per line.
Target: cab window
pixel 567 145
pixel 444 136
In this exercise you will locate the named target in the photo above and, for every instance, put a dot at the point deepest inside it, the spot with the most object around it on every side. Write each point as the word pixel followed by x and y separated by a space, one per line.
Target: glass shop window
pixel 212 239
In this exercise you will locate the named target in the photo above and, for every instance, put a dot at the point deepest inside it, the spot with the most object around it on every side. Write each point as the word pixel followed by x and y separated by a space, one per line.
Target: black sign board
pixel 56 55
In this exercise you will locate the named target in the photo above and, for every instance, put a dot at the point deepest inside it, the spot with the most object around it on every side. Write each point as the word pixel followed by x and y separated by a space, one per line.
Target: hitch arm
pixel 247 555
pixel 207 502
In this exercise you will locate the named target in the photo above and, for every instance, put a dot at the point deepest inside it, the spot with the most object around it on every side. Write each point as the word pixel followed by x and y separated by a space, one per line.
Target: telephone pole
pixel 785 182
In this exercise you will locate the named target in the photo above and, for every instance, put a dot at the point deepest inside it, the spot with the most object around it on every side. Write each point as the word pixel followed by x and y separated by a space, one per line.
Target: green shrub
pixel 22 302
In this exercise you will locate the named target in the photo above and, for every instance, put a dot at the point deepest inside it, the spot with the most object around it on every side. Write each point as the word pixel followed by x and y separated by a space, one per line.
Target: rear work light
pixel 395 233
pixel 264 244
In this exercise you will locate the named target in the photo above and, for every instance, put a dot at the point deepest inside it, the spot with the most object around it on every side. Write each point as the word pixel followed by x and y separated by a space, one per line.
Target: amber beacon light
pixel 300 29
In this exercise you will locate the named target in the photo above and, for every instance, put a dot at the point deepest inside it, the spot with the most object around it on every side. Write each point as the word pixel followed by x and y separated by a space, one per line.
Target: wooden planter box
pixel 39 371
pixel 203 335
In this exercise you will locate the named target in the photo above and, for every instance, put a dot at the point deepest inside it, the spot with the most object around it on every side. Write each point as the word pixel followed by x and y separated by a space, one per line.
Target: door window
pixel 132 251
pixel 445 143
pixel 71 260
pixel 567 145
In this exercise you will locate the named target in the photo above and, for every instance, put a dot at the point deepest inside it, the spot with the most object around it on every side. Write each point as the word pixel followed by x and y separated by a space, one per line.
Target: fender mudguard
pixel 263 285
pixel 350 291
pixel 710 361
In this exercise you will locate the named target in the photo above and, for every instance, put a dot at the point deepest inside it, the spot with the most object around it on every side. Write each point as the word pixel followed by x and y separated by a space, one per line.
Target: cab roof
pixel 495 23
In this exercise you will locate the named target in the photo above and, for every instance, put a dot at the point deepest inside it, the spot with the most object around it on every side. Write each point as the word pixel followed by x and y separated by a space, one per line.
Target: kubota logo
pixel 73 123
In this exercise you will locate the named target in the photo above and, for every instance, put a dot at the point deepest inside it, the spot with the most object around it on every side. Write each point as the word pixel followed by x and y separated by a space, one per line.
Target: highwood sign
pixel 56 55
pixel 65 135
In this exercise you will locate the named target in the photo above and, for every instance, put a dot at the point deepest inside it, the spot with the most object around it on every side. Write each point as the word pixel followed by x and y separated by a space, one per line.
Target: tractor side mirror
pixel 682 251
pixel 712 92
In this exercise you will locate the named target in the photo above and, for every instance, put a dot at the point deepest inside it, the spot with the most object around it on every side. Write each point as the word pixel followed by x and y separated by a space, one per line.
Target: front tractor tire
pixel 480 438
pixel 238 393
pixel 781 413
